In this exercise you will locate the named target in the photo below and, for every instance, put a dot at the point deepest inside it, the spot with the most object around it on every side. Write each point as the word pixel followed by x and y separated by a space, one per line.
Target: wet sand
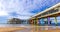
pixel 29 29
pixel 54 30
pixel 48 29
pixel 40 29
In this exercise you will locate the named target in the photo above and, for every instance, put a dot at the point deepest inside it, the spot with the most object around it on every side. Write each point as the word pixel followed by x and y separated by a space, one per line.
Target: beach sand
pixel 33 29
pixel 10 29
pixel 55 30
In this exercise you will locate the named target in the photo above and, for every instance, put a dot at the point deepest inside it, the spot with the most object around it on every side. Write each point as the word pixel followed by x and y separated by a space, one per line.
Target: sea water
pixel 13 25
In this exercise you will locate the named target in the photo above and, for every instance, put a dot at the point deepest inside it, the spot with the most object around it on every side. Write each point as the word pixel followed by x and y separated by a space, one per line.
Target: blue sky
pixel 23 9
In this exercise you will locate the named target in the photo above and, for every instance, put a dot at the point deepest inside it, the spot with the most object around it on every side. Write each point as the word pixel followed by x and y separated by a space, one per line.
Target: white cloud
pixel 2 10
pixel 21 7
pixel 10 6
pixel 3 13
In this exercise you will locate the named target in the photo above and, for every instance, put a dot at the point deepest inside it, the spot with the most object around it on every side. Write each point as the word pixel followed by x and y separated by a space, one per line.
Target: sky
pixel 23 9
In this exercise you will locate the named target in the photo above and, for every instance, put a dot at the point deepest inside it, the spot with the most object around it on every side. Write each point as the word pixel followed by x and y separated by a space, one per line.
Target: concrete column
pixel 32 21
pixel 37 20
pixel 48 19
pixel 55 20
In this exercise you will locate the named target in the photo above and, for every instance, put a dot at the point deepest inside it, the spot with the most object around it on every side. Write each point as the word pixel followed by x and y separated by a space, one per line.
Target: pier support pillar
pixel 37 20
pixel 48 19
pixel 32 21
pixel 55 20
